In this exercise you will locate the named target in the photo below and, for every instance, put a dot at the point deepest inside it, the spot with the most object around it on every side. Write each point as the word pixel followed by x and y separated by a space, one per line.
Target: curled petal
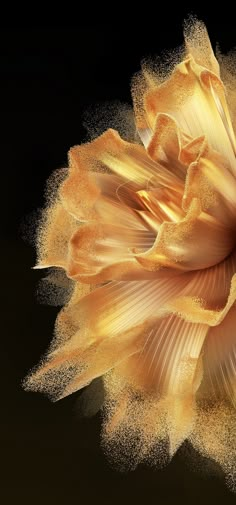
pixel 209 180
pixel 190 244
pixel 147 233
pixel 195 98
pixel 103 251
pixel 109 154
pixel 204 235
pixel 165 145
pixel 99 196
pixel 198 44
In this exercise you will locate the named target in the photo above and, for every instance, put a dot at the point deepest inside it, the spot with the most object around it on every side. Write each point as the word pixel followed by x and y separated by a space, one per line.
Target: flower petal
pixel 54 235
pixel 170 367
pixel 208 294
pixel 195 98
pixel 103 251
pixel 118 313
pixel 164 364
pixel 195 309
pixel 165 145
pixel 204 235
pixel 198 44
pixel 84 191
pixel 212 285
pixel 219 359
pixel 209 180
pixel 193 243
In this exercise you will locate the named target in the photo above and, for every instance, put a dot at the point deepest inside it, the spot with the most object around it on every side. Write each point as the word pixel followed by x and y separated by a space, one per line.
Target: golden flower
pixel 147 232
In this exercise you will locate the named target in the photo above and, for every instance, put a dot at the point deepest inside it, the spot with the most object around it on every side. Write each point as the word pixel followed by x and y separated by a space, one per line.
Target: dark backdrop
pixel 49 77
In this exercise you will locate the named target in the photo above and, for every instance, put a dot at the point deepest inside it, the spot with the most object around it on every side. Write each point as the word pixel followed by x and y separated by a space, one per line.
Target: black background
pixel 50 75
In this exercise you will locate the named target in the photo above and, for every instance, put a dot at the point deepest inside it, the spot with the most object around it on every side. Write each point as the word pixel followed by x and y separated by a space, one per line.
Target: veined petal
pixel 212 285
pixel 195 309
pixel 195 98
pixel 169 366
pixel 83 191
pixel 164 363
pixel 98 196
pixel 103 251
pixel 165 145
pixel 121 311
pixel 193 243
pixel 204 172
pixel 204 235
pixel 209 179
pixel 219 359
pixel 208 295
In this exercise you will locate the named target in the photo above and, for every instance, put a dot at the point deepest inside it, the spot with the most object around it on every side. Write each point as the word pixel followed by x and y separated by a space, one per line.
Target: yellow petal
pixel 220 359
pixel 55 231
pixel 189 244
pixel 170 368
pixel 195 98
pixel 204 235
pixel 95 248
pixel 198 44
pixel 109 154
pixel 165 145
pixel 119 313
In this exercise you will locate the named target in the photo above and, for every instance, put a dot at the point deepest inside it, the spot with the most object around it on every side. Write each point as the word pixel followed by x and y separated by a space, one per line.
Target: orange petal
pixel 55 231
pixel 207 177
pixel 119 313
pixel 195 308
pixel 209 180
pixel 195 98
pixel 212 285
pixel 220 359
pixel 194 242
pixel 204 236
pixel 170 367
pixel 99 196
pixel 164 363
pixel 208 295
pixel 165 145
pixel 81 192
pixel 95 248
pixel 198 44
